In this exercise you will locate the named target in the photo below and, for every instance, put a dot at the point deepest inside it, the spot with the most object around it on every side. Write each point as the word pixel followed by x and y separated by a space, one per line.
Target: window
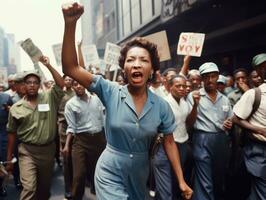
pixel 157 7
pixel 135 7
pixel 146 10
pixel 126 16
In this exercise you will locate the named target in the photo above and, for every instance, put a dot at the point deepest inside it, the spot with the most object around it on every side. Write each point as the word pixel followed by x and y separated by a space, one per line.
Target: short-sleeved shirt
pixel 181 111
pixel 36 125
pixel 244 107
pixel 211 115
pixel 125 130
pixel 84 116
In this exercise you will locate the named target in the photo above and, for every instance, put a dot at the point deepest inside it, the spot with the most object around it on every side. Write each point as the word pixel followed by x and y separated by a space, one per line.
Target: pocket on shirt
pixel 43 115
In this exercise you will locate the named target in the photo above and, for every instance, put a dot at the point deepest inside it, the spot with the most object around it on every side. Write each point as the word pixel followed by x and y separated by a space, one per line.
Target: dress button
pixel 131 155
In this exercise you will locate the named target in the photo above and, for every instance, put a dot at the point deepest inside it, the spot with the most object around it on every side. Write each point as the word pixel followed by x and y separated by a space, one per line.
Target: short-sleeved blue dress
pixel 122 169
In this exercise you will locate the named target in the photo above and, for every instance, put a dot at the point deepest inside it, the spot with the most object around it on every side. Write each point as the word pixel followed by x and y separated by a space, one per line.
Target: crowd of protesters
pixel 179 134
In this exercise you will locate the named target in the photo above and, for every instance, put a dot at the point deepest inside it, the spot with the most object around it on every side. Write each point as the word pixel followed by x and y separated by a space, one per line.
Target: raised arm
pixel 191 118
pixel 185 67
pixel 57 77
pixel 72 13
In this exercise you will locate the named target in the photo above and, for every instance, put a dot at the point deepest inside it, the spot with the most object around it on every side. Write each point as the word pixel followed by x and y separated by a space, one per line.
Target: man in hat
pixel 20 87
pixel 33 121
pixel 255 122
pixel 210 118
pixel 11 85
pixel 221 84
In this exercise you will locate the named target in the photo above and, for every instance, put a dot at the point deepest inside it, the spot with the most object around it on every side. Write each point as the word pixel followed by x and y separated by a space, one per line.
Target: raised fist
pixel 72 12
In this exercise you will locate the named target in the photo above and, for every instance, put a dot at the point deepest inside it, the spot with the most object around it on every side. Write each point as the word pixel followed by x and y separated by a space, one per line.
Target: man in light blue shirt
pixel 84 116
pixel 211 118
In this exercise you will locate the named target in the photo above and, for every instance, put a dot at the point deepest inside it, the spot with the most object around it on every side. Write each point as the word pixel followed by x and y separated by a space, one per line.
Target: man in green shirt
pixel 33 121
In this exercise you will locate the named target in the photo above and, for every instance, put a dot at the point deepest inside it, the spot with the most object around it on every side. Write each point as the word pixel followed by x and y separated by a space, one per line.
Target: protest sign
pixel 57 49
pixel 190 44
pixel 111 54
pixel 90 55
pixel 160 39
pixel 33 51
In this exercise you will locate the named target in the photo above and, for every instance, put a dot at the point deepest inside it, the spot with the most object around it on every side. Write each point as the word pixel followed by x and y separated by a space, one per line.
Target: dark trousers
pixel 255 160
pixel 165 179
pixel 67 160
pixel 68 171
pixel 86 150
pixel 211 155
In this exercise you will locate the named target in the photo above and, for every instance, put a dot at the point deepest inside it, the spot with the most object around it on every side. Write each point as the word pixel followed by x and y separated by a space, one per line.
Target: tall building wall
pixel 2 41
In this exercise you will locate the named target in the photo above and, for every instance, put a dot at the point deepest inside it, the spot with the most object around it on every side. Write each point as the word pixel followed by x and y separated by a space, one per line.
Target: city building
pixel 234 29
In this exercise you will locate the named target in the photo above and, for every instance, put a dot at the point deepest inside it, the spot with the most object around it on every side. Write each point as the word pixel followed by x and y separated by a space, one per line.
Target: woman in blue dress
pixel 134 115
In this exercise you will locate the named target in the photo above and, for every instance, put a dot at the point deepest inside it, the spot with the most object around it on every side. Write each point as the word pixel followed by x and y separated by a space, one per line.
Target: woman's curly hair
pixel 143 43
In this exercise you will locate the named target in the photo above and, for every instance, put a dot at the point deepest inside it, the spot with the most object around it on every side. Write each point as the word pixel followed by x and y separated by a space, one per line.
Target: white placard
pixel 111 54
pixel 33 51
pixel 190 44
pixel 90 55
pixel 160 39
pixel 57 49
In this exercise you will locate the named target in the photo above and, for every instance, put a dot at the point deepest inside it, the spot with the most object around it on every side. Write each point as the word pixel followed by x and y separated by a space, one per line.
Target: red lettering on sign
pixel 188 48
pixel 184 38
pixel 197 48
pixel 181 47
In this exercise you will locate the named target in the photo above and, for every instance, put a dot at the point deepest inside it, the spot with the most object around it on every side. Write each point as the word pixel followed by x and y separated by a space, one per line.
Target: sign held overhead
pixel 57 49
pixel 33 51
pixel 90 55
pixel 190 44
pixel 160 39
pixel 111 54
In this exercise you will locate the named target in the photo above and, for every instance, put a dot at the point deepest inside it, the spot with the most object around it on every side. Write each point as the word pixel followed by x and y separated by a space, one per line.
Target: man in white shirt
pixel 166 186
pixel 255 147
pixel 84 116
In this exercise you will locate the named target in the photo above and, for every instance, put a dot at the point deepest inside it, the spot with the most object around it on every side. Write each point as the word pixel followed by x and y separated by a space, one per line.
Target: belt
pixel 90 134
pixel 38 145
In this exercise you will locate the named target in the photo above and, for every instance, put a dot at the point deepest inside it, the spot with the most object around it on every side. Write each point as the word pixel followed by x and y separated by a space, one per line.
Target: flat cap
pixel 11 77
pixel 19 77
pixel 31 72
pixel 221 79
pixel 258 59
pixel 208 67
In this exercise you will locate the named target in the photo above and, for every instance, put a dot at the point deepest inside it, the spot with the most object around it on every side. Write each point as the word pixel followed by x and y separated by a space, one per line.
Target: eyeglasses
pixel 32 82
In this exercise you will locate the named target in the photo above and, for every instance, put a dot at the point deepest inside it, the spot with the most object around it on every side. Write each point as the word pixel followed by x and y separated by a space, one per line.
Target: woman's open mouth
pixel 137 76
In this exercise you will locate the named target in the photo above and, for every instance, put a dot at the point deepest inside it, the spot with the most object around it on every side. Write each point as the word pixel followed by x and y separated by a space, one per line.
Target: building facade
pixel 234 29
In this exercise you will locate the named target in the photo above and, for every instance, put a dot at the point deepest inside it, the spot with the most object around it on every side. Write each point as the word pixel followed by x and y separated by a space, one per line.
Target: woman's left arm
pixel 174 158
